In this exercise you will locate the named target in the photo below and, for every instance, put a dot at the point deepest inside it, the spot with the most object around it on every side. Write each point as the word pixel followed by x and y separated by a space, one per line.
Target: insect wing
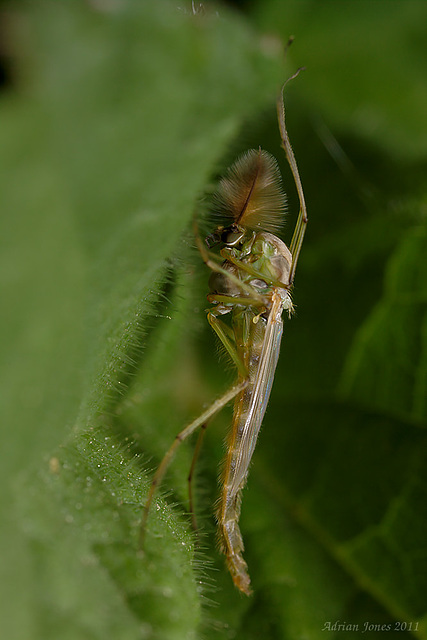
pixel 260 392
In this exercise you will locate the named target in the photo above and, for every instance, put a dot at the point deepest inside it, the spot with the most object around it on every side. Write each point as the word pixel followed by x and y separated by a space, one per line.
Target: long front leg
pixel 302 220
pixel 245 266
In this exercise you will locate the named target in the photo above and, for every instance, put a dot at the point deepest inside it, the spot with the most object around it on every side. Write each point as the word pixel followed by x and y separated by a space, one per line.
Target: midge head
pixel 230 236
pixel 250 196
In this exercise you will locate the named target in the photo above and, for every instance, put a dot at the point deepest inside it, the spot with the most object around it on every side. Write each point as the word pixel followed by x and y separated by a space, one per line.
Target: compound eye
pixel 231 238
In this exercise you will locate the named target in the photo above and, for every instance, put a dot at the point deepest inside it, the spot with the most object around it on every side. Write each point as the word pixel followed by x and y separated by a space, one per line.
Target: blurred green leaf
pixel 118 117
pixel 366 63
pixel 107 149
pixel 354 479
pixel 387 365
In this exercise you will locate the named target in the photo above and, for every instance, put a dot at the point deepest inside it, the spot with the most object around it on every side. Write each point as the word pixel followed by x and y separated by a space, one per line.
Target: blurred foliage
pixel 116 117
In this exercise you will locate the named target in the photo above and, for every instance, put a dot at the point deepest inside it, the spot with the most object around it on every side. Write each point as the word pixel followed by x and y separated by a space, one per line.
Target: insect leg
pixel 245 301
pixel 226 336
pixel 257 274
pixel 298 236
pixel 183 435
pixel 223 333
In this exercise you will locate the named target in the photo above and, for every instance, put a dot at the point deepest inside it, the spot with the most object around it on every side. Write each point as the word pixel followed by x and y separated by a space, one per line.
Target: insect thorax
pixel 270 256
pixel 267 256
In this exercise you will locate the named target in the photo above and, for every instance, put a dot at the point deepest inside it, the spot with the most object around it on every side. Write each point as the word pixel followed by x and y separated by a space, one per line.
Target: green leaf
pixel 387 365
pixel 368 521
pixel 107 150
pixel 366 63
pixel 117 119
